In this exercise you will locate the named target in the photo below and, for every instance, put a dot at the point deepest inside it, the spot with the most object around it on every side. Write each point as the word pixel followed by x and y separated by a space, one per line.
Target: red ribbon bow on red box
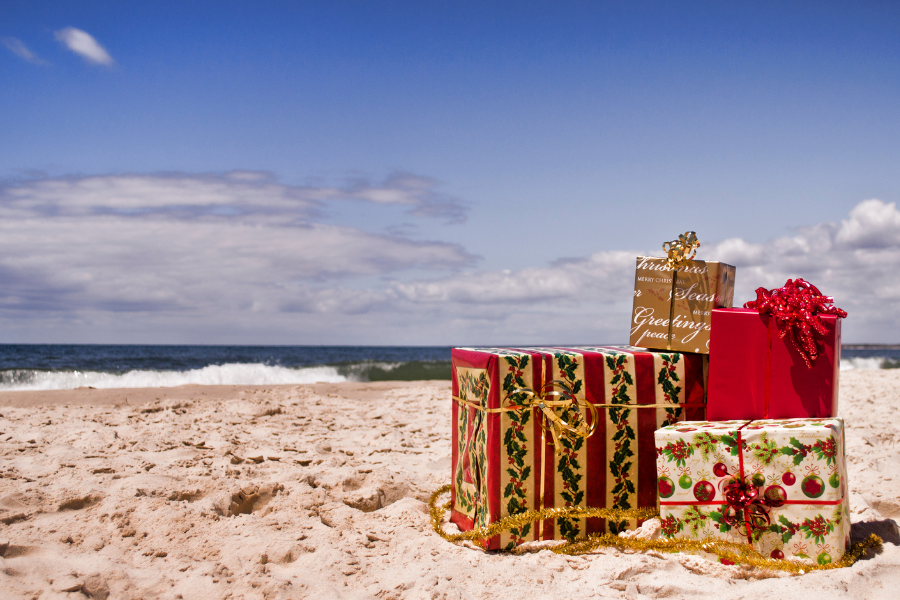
pixel 796 308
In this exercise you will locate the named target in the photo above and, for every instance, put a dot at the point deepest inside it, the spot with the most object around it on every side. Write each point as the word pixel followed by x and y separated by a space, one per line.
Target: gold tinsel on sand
pixel 742 554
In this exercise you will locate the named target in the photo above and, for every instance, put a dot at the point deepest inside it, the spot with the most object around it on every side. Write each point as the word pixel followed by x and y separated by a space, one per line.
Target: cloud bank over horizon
pixel 241 258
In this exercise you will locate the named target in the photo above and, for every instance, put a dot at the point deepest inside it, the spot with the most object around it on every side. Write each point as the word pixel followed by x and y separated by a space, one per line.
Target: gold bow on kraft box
pixel 674 297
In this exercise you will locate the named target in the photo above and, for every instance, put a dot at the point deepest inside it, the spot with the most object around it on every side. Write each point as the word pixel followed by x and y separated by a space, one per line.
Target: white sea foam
pixel 875 362
pixel 227 374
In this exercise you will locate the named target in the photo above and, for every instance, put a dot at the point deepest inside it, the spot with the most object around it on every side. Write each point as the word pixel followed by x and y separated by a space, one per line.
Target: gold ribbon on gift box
pixel 556 395
pixel 678 252
pixel 681 250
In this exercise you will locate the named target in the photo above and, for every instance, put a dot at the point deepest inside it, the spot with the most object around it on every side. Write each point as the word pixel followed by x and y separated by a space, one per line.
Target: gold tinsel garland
pixel 732 552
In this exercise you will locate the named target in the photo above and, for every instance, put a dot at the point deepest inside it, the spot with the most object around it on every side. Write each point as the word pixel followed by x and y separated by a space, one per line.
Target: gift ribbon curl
pixel 746 507
pixel 796 308
pixel 678 252
pixel 681 250
pixel 553 395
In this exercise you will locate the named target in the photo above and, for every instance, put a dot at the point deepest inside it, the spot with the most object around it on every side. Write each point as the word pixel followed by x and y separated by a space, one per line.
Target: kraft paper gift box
pixel 679 319
pixel 755 374
pixel 797 466
pixel 504 462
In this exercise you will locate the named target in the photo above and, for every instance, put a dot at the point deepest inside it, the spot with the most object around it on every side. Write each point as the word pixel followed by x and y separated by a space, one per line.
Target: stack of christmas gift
pixel 574 429
pixel 767 468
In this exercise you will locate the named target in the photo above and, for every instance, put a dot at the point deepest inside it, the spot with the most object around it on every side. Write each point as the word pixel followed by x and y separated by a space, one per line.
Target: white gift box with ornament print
pixel 796 466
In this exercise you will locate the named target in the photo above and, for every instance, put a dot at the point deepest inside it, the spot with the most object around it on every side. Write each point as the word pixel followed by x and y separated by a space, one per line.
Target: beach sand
pixel 320 491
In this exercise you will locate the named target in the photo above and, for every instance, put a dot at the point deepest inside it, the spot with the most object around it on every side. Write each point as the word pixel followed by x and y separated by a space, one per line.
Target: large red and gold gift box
pixel 504 461
pixel 755 374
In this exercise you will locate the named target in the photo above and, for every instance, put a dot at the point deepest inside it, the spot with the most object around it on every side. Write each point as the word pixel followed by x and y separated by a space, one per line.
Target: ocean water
pixel 54 366
pixel 57 366
pixel 870 357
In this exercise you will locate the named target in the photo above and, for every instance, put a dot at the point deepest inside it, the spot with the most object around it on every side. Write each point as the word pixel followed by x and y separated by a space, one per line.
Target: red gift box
pixel 504 463
pixel 755 374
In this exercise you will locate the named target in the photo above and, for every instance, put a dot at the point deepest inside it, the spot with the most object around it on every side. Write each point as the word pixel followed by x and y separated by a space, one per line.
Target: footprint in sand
pixel 79 502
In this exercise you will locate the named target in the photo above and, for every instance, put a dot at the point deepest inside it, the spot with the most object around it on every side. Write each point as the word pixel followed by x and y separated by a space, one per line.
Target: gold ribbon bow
pixel 678 252
pixel 554 395
pixel 681 250
pixel 528 399
pixel 541 399
pixel 547 399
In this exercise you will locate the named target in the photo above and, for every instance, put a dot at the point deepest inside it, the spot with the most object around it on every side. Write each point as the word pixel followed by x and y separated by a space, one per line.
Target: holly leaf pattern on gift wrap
pixel 784 528
pixel 718 518
pixel 515 443
pixel 678 451
pixel 568 467
pixel 817 528
pixel 825 450
pixel 666 376
pixel 623 437
pixel 567 366
pixel 705 443
pixel 695 520
pixel 616 363
pixel 671 526
pixel 730 441
pixel 838 516
pixel 626 485
pixel 471 482
pixel 765 450
pixel 796 449
pixel 568 529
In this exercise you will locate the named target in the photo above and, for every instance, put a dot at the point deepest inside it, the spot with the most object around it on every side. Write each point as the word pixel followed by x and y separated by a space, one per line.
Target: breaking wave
pixel 869 362
pixel 227 374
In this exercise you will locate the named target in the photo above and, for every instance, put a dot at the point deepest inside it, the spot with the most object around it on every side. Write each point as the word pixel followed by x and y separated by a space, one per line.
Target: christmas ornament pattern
pixel 791 501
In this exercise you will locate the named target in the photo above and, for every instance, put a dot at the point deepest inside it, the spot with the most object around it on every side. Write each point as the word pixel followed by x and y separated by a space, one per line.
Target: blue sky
pixel 434 173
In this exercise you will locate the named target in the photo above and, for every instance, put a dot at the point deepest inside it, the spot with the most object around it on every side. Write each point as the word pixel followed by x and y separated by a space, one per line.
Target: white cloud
pixel 237 193
pixel 872 224
pixel 417 192
pixel 601 275
pixel 232 193
pixel 82 43
pixel 18 47
pixel 182 243
pixel 241 258
pixel 856 261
